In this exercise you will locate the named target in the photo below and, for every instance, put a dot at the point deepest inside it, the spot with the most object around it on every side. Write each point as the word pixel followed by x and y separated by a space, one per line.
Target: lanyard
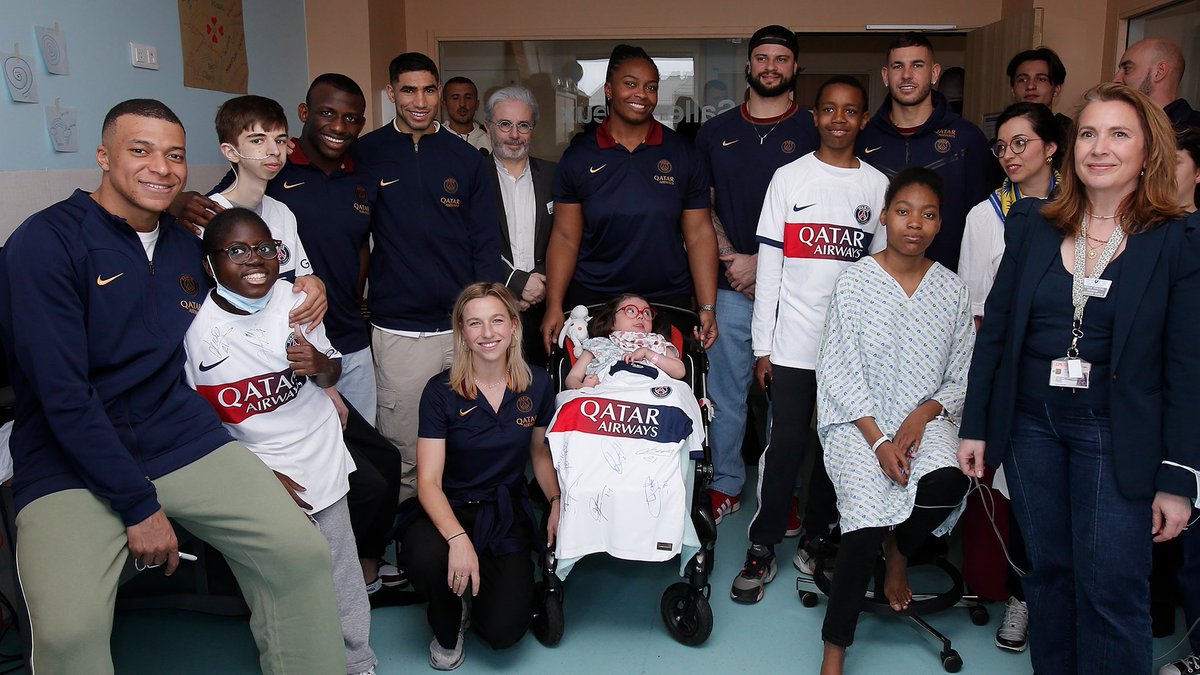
pixel 1078 299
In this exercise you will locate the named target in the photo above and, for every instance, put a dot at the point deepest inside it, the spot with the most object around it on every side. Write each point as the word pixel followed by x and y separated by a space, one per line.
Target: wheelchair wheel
pixel 809 599
pixel 951 661
pixel 687 614
pixel 979 615
pixel 548 622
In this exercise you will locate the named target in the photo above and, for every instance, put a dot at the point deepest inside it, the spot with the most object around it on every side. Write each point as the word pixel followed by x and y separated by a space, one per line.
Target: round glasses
pixel 1018 146
pixel 632 312
pixel 523 128
pixel 240 253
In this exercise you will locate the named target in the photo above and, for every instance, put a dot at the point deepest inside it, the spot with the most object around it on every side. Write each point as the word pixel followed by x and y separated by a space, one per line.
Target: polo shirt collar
pixel 605 140
pixel 300 159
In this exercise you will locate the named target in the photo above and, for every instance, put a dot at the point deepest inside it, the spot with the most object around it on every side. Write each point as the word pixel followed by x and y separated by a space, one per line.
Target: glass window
pixel 700 77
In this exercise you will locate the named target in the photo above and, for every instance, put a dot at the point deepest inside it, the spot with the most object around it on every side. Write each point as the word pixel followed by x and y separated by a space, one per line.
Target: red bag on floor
pixel 985 568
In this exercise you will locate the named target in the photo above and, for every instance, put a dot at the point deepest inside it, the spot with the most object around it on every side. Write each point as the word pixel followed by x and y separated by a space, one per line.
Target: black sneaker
pixel 1188 665
pixel 759 570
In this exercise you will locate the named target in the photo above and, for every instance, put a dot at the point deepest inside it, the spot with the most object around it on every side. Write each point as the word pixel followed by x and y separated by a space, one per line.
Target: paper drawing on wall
pixel 52 42
pixel 214 45
pixel 19 75
pixel 61 123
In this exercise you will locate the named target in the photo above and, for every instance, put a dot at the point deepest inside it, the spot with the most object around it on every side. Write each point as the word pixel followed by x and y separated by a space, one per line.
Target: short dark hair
pixel 601 324
pixel 848 80
pixel 622 53
pixel 915 175
pixel 140 107
pixel 243 112
pixel 1040 118
pixel 410 62
pixel 1058 72
pixel 1187 139
pixel 218 228
pixel 337 81
pixel 909 39
pixel 458 80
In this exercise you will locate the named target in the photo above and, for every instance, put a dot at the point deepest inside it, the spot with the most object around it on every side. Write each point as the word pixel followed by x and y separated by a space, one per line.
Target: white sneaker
pixel 441 658
pixel 1013 633
pixel 1188 665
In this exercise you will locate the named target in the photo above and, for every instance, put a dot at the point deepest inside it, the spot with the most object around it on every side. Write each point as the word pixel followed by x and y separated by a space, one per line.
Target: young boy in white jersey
pixel 253 132
pixel 254 367
pixel 820 215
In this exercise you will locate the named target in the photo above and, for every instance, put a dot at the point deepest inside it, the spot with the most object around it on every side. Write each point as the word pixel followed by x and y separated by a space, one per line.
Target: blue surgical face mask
pixel 251 305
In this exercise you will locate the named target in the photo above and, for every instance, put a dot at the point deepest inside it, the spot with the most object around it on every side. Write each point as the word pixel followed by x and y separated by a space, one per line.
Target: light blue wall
pixel 98 33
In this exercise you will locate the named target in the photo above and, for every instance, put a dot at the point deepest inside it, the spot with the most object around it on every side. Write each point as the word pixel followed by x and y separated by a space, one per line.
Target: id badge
pixel 1096 288
pixel 1070 373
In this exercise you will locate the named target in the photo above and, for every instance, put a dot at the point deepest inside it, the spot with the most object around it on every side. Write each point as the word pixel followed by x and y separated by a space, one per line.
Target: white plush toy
pixel 576 329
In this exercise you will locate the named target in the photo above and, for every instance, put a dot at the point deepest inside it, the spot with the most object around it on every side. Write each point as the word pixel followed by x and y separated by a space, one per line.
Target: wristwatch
pixel 707 308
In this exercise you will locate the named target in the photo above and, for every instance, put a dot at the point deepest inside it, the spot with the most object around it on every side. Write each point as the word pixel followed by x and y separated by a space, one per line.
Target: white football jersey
pixel 622 450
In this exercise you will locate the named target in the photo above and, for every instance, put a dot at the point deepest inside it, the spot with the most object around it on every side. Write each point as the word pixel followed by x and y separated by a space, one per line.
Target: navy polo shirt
pixel 741 154
pixel 333 218
pixel 632 205
pixel 487 451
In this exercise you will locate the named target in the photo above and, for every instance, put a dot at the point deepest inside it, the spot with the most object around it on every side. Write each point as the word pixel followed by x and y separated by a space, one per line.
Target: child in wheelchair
pixel 624 327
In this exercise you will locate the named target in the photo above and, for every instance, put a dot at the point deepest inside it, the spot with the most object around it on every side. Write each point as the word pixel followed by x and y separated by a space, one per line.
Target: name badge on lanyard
pixel 1072 372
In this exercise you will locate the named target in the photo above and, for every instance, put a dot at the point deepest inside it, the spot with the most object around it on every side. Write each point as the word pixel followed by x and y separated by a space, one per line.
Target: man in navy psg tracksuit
pixel 916 127
pixel 435 231
pixel 96 293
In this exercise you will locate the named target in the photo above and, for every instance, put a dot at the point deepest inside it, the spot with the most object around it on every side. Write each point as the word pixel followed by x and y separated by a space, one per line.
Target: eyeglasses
pixel 239 253
pixel 632 312
pixel 523 128
pixel 1018 146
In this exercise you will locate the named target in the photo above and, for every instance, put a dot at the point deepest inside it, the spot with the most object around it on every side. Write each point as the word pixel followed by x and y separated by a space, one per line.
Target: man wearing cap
pixel 742 148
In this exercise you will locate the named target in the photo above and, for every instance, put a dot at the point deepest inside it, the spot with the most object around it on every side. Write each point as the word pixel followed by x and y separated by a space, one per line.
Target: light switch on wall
pixel 143 56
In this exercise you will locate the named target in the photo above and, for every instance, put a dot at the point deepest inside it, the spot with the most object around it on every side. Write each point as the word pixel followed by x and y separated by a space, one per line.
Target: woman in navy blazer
pixel 1094 471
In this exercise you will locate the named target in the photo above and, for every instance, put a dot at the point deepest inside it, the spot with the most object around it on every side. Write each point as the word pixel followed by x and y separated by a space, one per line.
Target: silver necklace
pixel 763 137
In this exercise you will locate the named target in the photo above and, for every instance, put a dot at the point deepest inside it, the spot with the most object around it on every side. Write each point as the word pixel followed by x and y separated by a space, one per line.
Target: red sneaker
pixel 795 524
pixel 723 505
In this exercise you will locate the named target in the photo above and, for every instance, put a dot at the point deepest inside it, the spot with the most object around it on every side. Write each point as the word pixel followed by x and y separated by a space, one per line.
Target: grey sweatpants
pixel 348 586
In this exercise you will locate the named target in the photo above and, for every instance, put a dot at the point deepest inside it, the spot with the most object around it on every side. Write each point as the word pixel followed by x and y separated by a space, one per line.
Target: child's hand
pixel 639 354
pixel 305 359
pixel 293 489
pixel 590 381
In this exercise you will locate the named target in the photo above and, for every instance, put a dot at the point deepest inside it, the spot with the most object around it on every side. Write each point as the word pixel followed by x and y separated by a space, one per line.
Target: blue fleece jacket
pixel 434 225
pixel 94 336
pixel 950 145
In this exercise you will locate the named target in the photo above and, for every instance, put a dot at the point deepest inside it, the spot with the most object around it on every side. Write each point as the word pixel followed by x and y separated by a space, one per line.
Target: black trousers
pixel 793 399
pixel 938 494
pixel 374 485
pixel 500 613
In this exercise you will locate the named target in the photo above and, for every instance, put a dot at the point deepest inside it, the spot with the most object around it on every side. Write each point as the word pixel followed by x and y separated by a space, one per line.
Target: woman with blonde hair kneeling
pixel 469 551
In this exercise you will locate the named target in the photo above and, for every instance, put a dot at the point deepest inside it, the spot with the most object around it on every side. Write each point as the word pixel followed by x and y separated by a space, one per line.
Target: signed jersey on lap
pixel 621 450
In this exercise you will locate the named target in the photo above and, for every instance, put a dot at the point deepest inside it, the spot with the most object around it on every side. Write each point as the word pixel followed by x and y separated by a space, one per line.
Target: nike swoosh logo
pixel 206 368
pixel 464 413
pixel 801 208
pixel 596 169
pixel 726 144
pixel 385 183
pixel 868 151
pixel 289 186
pixel 100 281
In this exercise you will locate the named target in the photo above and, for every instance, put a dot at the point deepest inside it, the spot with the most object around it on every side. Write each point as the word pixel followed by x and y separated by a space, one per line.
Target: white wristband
pixel 881 441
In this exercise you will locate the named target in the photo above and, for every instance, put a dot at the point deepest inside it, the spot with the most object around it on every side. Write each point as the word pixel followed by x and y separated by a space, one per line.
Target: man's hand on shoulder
pixel 194 210
pixel 153 542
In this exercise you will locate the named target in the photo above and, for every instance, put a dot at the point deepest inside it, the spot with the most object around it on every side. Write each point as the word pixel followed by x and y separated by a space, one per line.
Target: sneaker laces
pixel 1016 618
pixel 755 567
pixel 1192 663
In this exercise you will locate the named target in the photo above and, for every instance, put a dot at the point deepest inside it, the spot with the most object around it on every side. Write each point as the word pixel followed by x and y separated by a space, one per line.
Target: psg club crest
pixel 660 391
pixel 524 404
pixel 664 166
pixel 291 340
pixel 285 254
pixel 862 214
pixel 188 284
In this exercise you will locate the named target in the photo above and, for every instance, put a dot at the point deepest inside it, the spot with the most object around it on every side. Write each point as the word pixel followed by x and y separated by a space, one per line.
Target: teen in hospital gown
pixel 882 355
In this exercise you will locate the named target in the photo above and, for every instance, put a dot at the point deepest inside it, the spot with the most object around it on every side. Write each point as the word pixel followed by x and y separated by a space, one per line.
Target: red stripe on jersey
pixel 824 241
pixel 607 417
pixel 237 401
